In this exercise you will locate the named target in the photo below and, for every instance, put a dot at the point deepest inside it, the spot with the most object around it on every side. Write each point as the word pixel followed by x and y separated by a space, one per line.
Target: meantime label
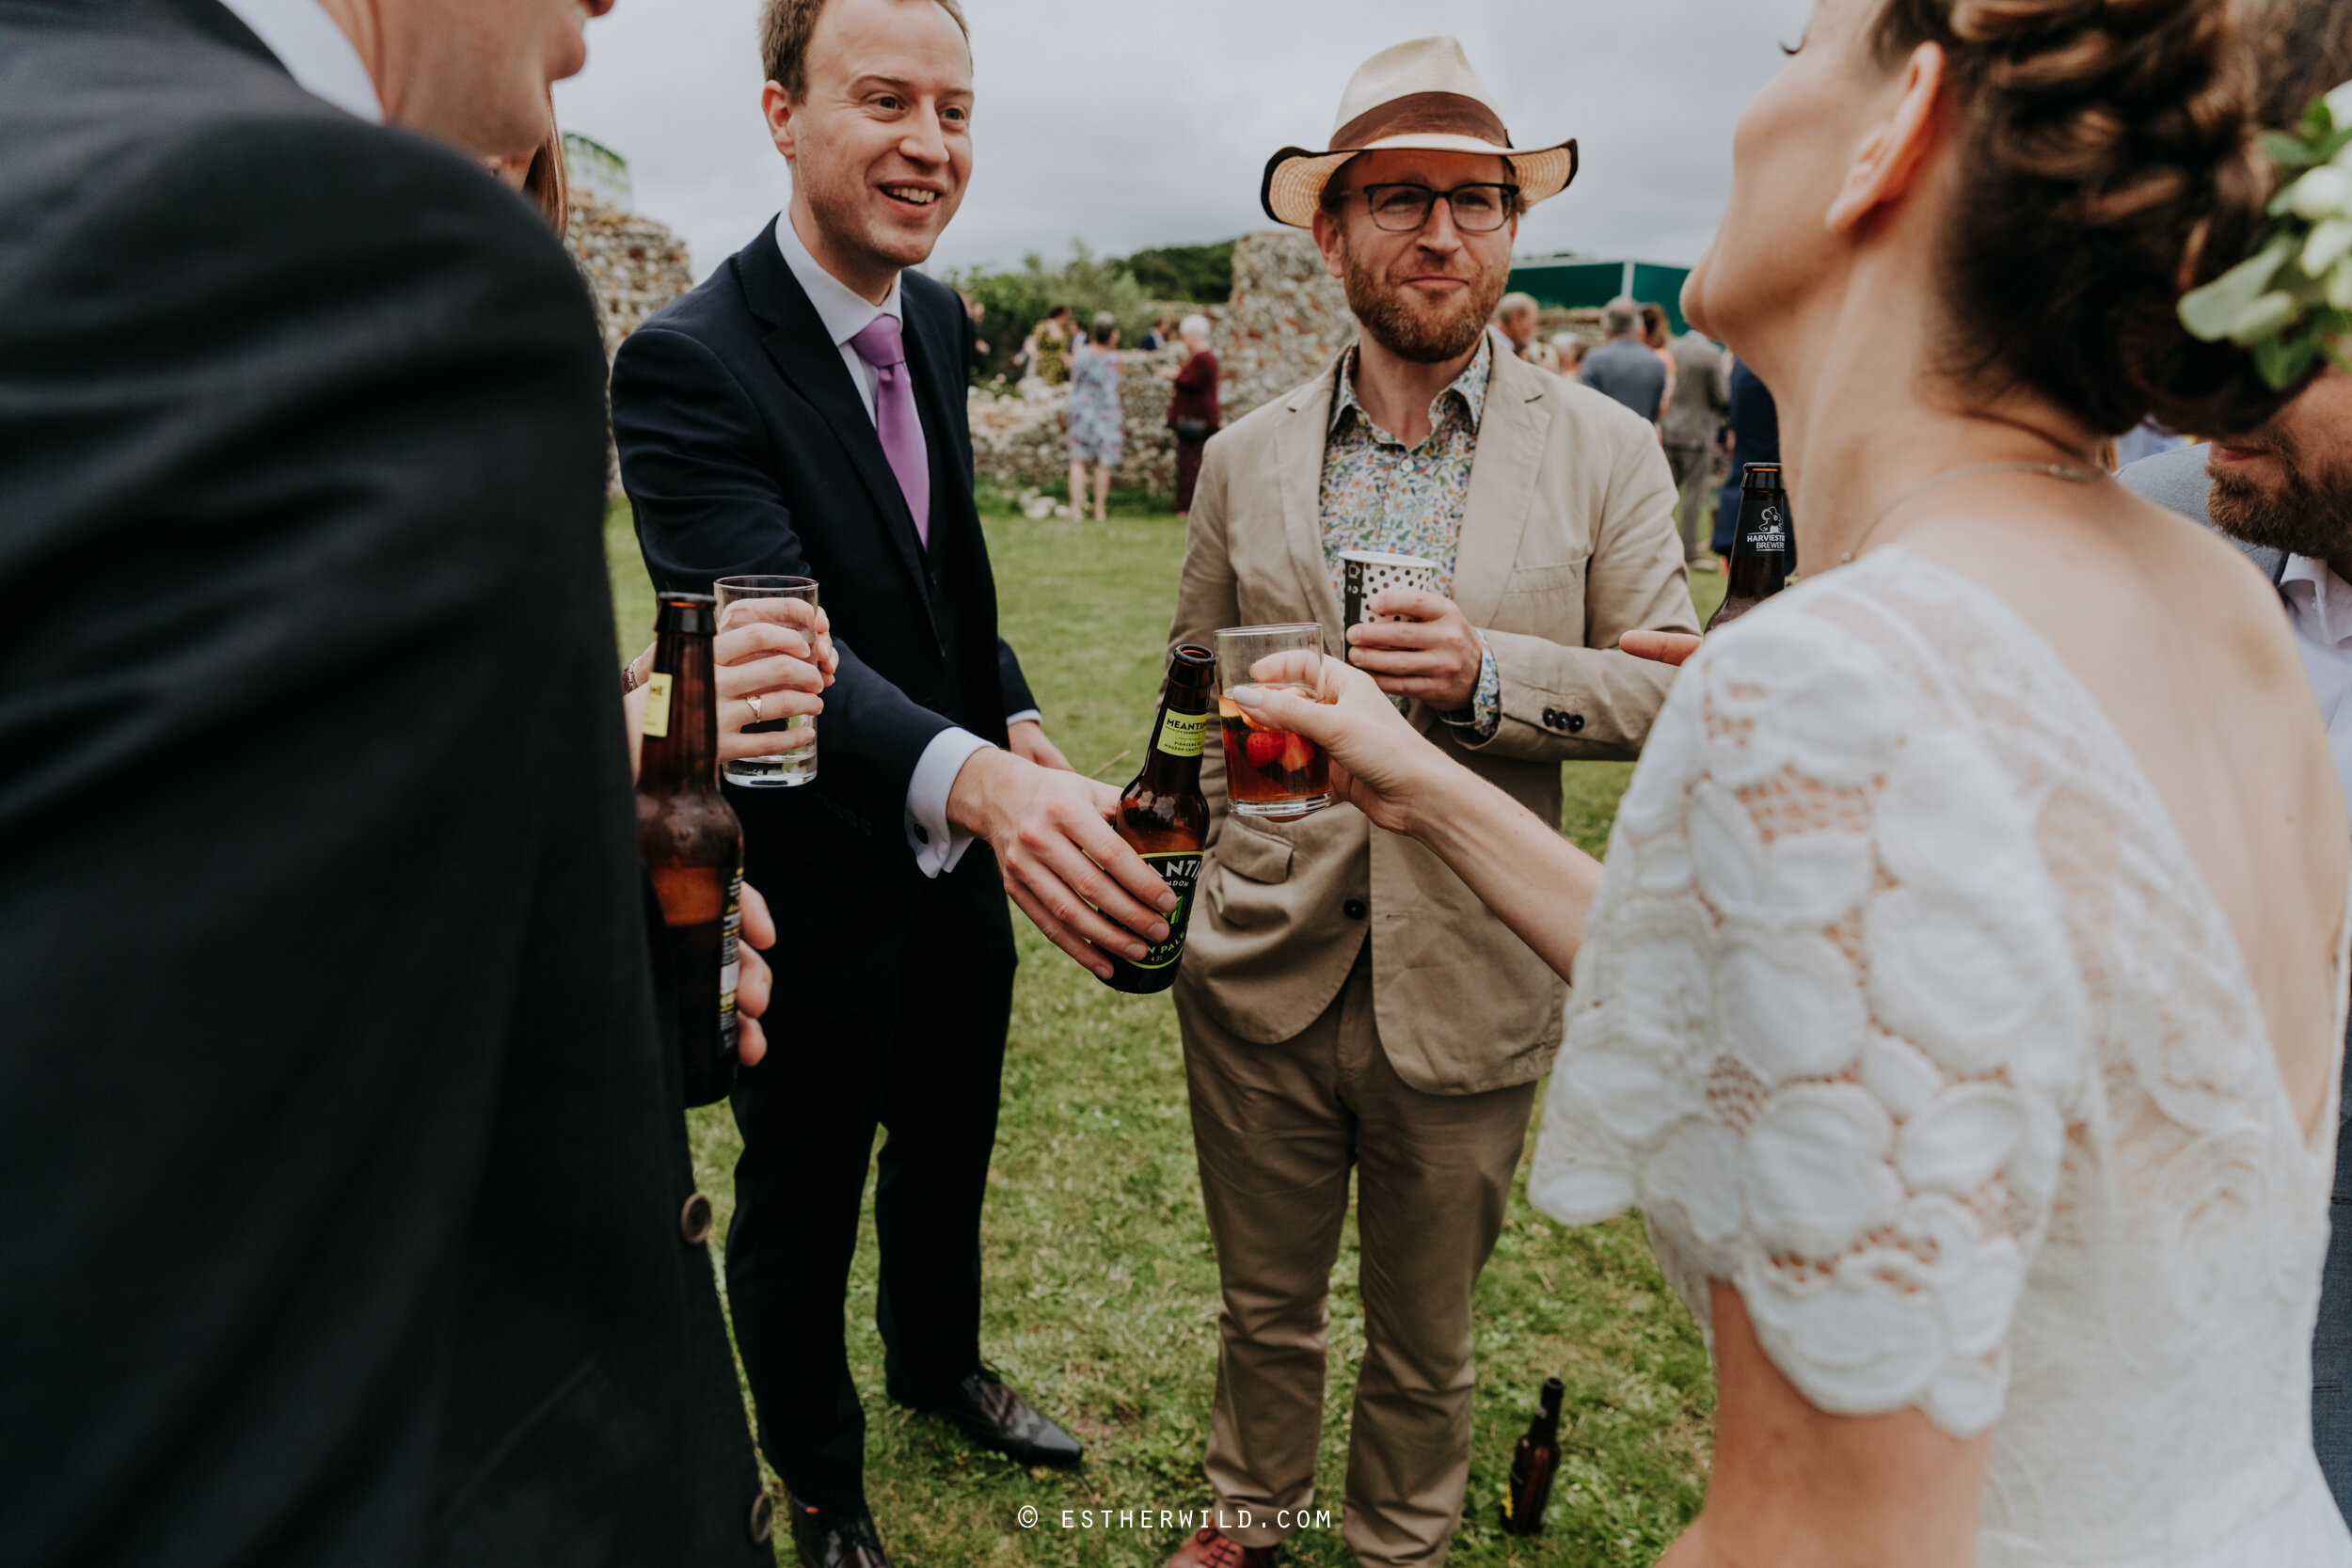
pixel 1181 872
pixel 1184 735
pixel 657 705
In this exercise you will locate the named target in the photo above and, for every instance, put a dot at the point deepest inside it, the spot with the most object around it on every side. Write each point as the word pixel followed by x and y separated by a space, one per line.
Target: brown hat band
pixel 1423 114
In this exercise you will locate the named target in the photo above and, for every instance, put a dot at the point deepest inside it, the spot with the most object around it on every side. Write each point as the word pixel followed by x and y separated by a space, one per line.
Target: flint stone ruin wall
pixel 1286 319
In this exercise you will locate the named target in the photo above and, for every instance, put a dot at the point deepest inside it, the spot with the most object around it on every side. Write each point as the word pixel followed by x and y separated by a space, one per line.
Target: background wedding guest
pixel 2283 492
pixel 1345 1002
pixel 1966 1032
pixel 352 1222
pixel 1625 368
pixel 1096 432
pixel 1692 426
pixel 1047 349
pixel 1754 422
pixel 803 412
pixel 1514 326
pixel 1192 410
pixel 1568 352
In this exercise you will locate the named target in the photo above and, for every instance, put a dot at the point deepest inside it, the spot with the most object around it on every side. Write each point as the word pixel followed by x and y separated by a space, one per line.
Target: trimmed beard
pixel 1421 336
pixel 2302 515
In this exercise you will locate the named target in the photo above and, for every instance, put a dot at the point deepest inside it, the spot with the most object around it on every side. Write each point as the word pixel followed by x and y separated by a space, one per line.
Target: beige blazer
pixel 1568 541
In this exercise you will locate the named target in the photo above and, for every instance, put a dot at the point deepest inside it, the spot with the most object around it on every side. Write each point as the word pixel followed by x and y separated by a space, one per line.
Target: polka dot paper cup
pixel 1365 573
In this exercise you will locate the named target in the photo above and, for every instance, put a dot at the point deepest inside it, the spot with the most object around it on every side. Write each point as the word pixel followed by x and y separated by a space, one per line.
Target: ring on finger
pixel 757 717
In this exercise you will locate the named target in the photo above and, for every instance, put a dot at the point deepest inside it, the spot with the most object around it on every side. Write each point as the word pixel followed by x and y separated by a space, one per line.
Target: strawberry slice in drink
pixel 1266 747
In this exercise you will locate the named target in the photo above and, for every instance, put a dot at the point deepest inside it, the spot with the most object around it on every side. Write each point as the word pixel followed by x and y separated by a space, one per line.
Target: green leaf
pixel 2289 153
pixel 2282 360
pixel 2212 313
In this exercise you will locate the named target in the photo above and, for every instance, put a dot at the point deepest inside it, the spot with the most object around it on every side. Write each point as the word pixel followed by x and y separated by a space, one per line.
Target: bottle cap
pixel 1761 476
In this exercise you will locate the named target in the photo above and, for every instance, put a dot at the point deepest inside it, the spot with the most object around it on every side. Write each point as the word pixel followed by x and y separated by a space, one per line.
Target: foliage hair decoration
pixel 2291 300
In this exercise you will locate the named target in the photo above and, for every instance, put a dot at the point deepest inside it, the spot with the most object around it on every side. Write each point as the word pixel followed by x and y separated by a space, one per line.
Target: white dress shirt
pixel 314 51
pixel 2319 606
pixel 937 844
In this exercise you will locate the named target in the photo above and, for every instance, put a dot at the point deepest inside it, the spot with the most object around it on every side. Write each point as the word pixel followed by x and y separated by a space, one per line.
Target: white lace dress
pixel 1906 1011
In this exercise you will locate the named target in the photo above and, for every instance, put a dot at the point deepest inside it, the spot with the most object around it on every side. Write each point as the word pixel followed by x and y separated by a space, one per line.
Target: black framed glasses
pixel 1478 209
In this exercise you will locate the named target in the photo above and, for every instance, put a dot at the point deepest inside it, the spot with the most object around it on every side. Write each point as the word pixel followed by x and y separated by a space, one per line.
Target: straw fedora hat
pixel 1422 94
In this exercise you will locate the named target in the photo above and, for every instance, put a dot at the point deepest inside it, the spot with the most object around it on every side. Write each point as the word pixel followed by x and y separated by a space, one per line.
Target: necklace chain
pixel 2071 474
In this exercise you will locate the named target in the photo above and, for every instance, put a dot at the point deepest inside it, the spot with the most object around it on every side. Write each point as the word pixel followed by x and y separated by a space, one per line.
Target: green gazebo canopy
pixel 1589 282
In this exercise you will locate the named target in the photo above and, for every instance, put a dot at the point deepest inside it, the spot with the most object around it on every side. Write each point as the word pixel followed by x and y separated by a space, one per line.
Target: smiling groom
pixel 801 413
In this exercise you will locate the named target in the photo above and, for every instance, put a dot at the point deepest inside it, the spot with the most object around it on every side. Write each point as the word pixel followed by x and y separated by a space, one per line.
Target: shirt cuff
pixel 1026 716
pixel 1485 714
pixel 938 846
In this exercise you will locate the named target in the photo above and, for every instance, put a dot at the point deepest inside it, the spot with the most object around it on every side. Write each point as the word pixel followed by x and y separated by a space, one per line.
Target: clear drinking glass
pixel 1270 772
pixel 740 599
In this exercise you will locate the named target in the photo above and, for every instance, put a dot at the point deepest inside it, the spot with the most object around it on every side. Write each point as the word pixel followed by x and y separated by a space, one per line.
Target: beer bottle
pixel 1533 1464
pixel 1764 547
pixel 1164 816
pixel 692 847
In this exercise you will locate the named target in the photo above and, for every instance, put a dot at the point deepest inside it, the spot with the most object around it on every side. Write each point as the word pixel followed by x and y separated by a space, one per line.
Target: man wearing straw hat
pixel 1345 1002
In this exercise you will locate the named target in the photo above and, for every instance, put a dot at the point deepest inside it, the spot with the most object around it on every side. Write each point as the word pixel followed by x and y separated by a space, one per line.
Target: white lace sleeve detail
pixel 1828 1032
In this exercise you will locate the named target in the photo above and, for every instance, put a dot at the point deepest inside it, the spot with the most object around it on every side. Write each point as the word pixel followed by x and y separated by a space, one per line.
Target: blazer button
pixel 1356 909
pixel 1552 717
pixel 762 1522
pixel 693 1221
pixel 1575 722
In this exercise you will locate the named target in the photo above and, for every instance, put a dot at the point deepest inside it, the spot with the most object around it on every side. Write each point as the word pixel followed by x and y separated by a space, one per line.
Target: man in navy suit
pixel 803 413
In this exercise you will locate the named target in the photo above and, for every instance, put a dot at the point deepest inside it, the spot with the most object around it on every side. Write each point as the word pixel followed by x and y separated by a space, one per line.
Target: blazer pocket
pixel 1247 852
pixel 1545 581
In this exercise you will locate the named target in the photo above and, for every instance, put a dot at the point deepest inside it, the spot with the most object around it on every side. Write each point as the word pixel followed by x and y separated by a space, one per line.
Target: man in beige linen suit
pixel 1345 1000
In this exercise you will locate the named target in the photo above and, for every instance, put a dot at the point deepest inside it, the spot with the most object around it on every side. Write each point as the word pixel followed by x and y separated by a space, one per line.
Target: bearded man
pixel 1346 1001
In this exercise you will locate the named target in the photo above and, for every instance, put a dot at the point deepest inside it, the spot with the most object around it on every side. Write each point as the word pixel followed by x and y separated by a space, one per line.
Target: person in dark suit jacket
pixel 801 413
pixel 346 1214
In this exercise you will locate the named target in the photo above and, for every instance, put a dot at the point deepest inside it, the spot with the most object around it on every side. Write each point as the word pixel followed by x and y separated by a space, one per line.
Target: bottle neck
pixel 681 740
pixel 1179 736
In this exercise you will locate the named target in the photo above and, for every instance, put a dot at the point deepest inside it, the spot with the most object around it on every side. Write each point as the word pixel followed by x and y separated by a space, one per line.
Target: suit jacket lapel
pixel 1299 449
pixel 1512 436
pixel 803 354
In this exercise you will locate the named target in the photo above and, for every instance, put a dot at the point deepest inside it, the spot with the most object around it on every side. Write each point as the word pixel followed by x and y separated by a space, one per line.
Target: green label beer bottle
pixel 1164 816
pixel 1764 549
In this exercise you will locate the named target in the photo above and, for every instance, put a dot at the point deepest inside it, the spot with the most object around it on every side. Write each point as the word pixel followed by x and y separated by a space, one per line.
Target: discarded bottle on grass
pixel 1533 1464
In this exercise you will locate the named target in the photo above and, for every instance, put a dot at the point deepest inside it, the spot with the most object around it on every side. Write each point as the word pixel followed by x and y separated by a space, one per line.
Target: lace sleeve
pixel 1827 1032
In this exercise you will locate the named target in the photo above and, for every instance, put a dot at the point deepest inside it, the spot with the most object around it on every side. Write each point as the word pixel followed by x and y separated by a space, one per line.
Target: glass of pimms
pixel 1270 772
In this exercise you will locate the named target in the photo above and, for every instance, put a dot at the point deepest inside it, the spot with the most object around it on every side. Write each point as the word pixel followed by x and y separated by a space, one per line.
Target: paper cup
pixel 1366 573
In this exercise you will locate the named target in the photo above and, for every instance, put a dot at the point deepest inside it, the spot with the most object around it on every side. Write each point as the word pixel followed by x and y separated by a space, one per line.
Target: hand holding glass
pixel 775 654
pixel 1270 772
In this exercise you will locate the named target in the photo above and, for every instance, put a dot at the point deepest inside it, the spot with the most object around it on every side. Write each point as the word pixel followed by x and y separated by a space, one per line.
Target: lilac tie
pixel 882 345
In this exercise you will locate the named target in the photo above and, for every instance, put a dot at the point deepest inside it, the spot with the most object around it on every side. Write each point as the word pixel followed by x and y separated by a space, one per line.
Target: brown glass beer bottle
pixel 1763 547
pixel 1534 1463
pixel 692 847
pixel 1164 816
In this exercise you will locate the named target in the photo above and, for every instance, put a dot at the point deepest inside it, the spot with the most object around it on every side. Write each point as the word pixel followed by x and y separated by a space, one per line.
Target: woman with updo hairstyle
pixel 1962 1000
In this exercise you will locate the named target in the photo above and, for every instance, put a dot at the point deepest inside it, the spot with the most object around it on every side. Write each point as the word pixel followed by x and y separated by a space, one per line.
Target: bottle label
pixel 1772 531
pixel 1181 871
pixel 658 705
pixel 730 958
pixel 1182 735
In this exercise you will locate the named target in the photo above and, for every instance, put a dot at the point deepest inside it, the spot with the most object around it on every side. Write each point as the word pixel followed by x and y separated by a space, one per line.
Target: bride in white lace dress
pixel 1961 996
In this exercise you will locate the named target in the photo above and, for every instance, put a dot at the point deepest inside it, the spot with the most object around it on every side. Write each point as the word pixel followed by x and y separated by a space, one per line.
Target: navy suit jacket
pixel 341 1168
pixel 745 449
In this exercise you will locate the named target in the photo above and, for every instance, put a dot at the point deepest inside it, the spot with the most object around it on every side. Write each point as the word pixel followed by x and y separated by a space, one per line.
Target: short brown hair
pixel 787 26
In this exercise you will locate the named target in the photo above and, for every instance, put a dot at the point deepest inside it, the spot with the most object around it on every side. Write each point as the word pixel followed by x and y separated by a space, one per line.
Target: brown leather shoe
pixel 1209 1547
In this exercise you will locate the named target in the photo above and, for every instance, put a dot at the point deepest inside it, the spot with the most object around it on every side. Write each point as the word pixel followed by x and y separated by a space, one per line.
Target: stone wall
pixel 1286 319
pixel 634 265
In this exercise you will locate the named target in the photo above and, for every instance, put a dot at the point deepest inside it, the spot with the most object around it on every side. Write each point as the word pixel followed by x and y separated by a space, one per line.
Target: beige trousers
pixel 1277 1128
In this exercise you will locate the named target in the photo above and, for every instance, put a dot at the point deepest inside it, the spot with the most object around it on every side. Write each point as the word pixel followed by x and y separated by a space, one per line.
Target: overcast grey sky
pixel 1128 124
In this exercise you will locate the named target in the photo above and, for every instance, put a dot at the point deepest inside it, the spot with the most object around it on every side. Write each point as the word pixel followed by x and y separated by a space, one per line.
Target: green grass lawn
pixel 1102 1290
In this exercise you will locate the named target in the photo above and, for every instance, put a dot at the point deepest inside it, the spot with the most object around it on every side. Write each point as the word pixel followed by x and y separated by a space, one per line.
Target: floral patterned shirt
pixel 1379 494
